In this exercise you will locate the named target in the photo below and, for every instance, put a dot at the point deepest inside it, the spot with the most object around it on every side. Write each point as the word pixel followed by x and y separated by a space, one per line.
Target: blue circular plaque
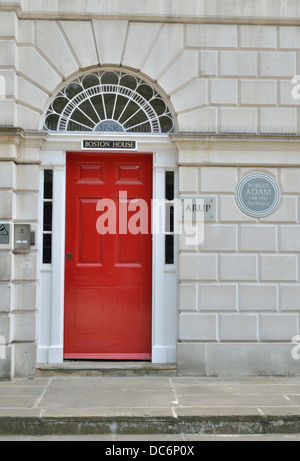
pixel 258 194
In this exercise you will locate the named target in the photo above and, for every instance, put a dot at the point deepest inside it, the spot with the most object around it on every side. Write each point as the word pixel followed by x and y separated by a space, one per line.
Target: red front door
pixel 108 278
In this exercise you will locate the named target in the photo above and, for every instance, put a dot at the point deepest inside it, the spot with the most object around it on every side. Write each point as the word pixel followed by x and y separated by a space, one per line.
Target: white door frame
pixel 52 278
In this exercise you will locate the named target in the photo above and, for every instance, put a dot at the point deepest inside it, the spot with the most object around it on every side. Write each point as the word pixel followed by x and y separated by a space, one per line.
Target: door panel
pixel 108 278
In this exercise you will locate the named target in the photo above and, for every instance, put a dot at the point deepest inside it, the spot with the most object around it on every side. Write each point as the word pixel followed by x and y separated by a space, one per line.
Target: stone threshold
pixel 106 368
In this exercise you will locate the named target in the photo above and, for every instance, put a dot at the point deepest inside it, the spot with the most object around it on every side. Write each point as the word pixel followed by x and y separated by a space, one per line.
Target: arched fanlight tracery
pixel 109 101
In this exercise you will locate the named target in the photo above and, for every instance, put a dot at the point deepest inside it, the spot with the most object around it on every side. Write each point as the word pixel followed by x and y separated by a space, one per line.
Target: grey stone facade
pixel 227 73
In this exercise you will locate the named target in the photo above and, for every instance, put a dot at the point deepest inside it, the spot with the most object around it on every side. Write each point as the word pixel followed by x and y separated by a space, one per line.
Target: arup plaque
pixel 208 208
pixel 258 194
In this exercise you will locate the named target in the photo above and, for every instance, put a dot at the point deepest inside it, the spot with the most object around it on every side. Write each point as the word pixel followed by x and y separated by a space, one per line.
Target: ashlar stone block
pixel 258 238
pixel 27 206
pixel 238 267
pixel 218 179
pixel 110 38
pixel 208 63
pixel 6 364
pixel 5 266
pixel 28 177
pixel 34 66
pixel 200 120
pixel 289 37
pixel 239 327
pixel 218 297
pixel 168 45
pixel 219 238
pixel 6 205
pixel 278 120
pixel 257 36
pixel 254 359
pixel 24 327
pixel 290 297
pixel 25 267
pixel 290 238
pixel 238 63
pixel 188 179
pixel 286 88
pixel 200 327
pixel 56 49
pixel 259 297
pixel 7 83
pixel 7 53
pixel 258 92
pixel 26 31
pixel 279 267
pixel 25 360
pixel 8 24
pixel 29 119
pixel 7 112
pixel 5 296
pixel 7 175
pixel 24 296
pixel 31 95
pixel 134 54
pixel 277 64
pixel 81 37
pixel 230 212
pixel 180 72
pixel 188 297
pixel 198 267
pixel 238 119
pixel 280 327
pixel 192 95
pixel 223 91
pixel 191 359
pixel 212 35
pixel 290 180
pixel 5 328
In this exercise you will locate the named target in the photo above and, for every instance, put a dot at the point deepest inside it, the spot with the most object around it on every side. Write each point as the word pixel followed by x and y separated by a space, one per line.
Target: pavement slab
pixel 149 405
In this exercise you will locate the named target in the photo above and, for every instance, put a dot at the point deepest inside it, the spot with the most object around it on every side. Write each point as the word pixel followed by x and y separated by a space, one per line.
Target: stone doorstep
pixel 125 425
pixel 106 368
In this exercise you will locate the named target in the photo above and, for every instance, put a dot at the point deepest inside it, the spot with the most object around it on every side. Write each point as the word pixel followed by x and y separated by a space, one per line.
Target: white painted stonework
pixel 229 306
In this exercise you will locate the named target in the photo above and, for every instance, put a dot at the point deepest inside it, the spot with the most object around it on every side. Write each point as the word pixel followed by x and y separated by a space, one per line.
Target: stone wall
pixel 220 78
pixel 239 290
pixel 19 203
pixel 225 69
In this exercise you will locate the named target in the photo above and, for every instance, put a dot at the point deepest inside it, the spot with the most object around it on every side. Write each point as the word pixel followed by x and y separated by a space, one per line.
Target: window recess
pixel 169 227
pixel 47 216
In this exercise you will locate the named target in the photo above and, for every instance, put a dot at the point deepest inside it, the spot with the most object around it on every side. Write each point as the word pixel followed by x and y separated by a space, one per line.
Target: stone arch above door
pixel 109 101
pixel 51 53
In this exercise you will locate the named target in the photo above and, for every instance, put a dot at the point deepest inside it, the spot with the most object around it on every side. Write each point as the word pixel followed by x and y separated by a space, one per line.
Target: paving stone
pixel 22 413
pixel 122 407
pixel 259 389
pixel 108 412
pixel 233 401
pixel 18 391
pixel 214 411
pixel 198 389
pixel 17 402
pixel 91 399
pixel 28 382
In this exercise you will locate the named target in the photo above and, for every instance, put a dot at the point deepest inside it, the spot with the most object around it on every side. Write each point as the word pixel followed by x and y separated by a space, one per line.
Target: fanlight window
pixel 109 101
